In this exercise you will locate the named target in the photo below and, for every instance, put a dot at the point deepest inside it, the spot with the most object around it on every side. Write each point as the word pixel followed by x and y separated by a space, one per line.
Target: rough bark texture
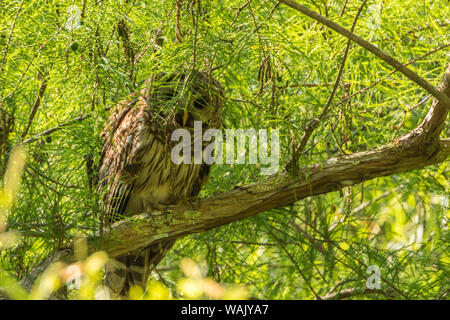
pixel 275 192
pixel 417 149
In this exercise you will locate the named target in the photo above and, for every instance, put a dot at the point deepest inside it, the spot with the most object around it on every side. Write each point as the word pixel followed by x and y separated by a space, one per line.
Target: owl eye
pixel 200 103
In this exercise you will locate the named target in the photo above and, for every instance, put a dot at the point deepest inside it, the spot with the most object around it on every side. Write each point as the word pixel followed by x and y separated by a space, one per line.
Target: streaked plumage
pixel 137 174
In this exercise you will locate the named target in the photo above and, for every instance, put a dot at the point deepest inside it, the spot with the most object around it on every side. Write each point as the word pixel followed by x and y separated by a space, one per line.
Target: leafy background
pixel 278 68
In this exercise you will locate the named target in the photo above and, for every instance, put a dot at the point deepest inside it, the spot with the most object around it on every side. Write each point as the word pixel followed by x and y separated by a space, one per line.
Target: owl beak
pixel 185 117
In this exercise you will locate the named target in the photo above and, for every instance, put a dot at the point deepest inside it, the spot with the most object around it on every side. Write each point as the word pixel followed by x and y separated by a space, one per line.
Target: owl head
pixel 179 99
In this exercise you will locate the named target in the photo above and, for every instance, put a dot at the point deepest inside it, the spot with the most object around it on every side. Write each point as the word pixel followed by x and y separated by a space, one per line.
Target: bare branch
pixel 58 127
pixel 374 49
pixel 36 105
pixel 5 52
pixel 355 292
pixel 312 125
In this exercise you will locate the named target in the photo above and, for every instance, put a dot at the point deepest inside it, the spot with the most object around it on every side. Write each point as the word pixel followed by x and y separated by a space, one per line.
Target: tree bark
pixel 416 150
pixel 419 148
pixel 274 192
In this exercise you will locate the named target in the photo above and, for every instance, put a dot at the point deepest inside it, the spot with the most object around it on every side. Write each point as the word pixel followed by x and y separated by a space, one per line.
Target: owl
pixel 137 173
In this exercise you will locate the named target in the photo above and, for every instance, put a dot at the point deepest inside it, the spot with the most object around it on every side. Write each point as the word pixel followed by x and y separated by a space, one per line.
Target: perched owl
pixel 137 173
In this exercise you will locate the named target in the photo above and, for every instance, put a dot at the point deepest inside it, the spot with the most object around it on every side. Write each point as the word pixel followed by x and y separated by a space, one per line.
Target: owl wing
pixel 124 138
pixel 203 176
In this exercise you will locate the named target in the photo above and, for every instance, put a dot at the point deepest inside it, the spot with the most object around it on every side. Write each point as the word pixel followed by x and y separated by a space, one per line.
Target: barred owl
pixel 137 173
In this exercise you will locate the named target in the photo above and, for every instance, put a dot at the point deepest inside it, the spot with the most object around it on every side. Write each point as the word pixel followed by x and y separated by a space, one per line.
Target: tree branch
pixel 312 125
pixel 5 52
pixel 374 49
pixel 355 292
pixel 58 127
pixel 274 192
pixel 418 149
pixel 36 105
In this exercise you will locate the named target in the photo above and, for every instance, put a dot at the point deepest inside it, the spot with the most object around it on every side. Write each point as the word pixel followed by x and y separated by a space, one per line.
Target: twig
pixel 36 171
pixel 352 292
pixel 305 85
pixel 83 9
pixel 390 74
pixel 344 7
pixel 58 127
pixel 239 10
pixel 316 242
pixel 178 34
pixel 10 36
pixel 398 66
pixel 41 47
pixel 312 125
pixel 158 32
pixel 443 294
pixel 36 105
pixel 249 102
pixel 283 248
pixel 363 205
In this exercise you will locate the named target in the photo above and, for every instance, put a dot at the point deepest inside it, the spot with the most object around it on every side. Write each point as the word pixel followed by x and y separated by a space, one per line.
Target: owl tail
pixel 134 268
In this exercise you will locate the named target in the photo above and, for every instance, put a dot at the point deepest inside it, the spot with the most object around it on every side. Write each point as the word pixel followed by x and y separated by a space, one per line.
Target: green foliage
pixel 278 68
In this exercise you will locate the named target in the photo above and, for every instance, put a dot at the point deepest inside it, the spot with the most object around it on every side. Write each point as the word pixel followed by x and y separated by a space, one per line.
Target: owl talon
pixel 134 153
pixel 194 202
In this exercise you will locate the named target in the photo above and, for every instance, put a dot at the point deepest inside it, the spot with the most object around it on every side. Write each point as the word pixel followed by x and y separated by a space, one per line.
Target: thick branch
pixel 427 133
pixel 274 192
pixel 416 150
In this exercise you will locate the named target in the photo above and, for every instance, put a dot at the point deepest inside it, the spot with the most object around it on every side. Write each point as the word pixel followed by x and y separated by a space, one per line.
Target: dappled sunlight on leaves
pixel 156 291
pixel 279 70
pixel 195 286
